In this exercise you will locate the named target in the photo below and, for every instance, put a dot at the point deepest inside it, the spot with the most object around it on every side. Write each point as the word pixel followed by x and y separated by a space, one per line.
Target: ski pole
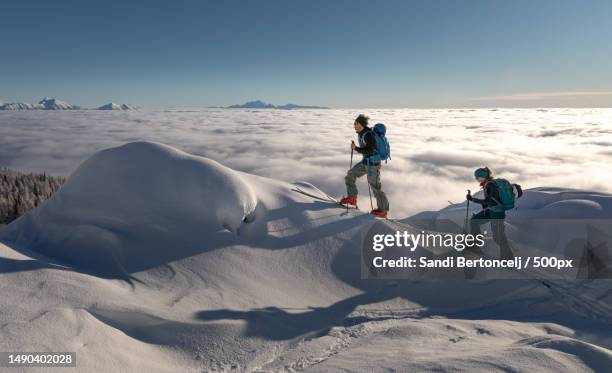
pixel 467 210
pixel 350 168
pixel 370 193
pixel 369 189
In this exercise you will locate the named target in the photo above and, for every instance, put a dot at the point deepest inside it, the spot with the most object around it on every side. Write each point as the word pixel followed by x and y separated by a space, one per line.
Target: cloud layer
pixel 434 152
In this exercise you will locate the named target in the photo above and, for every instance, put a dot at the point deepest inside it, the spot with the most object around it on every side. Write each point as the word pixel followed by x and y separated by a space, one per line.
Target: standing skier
pixel 492 211
pixel 367 147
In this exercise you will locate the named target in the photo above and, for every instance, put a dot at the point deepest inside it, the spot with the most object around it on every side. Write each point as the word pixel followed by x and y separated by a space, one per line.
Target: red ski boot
pixel 378 213
pixel 349 201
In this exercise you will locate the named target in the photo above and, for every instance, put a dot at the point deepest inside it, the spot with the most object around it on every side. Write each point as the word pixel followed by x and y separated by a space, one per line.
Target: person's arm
pixel 489 200
pixel 370 145
pixel 479 201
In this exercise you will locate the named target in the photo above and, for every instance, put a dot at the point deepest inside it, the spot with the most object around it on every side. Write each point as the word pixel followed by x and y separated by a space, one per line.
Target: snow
pixel 545 203
pixel 125 190
pixel 114 106
pixel 45 104
pixel 144 261
pixel 55 104
pixel 20 106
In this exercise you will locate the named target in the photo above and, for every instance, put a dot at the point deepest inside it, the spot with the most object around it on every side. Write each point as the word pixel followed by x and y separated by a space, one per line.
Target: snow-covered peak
pixel 55 104
pixel 115 106
pixel 45 104
pixel 20 106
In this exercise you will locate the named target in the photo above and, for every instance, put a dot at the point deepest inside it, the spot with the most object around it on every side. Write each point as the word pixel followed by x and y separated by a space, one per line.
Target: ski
pixel 325 194
pixel 300 190
pixel 327 199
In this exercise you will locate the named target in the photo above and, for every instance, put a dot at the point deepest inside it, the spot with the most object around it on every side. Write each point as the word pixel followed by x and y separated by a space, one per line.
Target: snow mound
pixel 114 106
pixel 128 205
pixel 596 358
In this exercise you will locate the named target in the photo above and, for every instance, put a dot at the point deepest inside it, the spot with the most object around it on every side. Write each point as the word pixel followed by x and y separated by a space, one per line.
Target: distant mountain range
pixel 45 104
pixel 55 104
pixel 258 104
pixel 20 106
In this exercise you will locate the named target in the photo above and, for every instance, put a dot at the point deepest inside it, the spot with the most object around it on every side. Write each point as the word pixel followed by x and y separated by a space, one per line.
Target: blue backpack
pixel 506 195
pixel 383 149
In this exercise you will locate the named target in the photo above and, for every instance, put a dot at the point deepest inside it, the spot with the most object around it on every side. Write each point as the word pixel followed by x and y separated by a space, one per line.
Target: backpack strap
pixel 493 198
pixel 362 142
pixel 362 139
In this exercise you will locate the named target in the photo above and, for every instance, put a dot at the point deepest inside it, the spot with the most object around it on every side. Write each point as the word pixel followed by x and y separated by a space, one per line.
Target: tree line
pixel 20 193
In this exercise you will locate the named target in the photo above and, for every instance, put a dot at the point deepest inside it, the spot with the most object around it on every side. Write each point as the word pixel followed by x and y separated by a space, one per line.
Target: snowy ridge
pixel 231 271
pixel 114 106
pixel 44 104
pixel 48 103
pixel 20 106
pixel 55 104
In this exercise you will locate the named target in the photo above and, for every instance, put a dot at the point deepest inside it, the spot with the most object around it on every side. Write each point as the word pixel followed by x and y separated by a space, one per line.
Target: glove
pixel 469 197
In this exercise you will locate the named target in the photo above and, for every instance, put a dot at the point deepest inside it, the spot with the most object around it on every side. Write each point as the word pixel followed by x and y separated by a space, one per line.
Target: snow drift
pixel 118 209
pixel 230 271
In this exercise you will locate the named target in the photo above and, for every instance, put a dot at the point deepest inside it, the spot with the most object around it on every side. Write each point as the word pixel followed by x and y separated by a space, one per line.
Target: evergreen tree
pixel 20 193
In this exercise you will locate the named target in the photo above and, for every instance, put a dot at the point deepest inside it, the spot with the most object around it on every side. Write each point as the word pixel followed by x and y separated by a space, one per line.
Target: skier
pixel 367 147
pixel 492 211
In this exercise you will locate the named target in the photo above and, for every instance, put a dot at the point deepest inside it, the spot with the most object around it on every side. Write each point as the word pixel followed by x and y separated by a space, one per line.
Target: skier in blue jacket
pixel 367 148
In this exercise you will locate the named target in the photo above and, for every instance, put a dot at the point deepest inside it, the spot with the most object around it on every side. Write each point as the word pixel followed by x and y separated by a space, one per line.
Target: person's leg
pixel 374 180
pixel 498 227
pixel 477 221
pixel 358 170
pixel 475 252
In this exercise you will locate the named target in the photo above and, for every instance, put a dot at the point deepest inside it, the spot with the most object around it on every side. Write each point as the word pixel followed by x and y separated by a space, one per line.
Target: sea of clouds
pixel 434 152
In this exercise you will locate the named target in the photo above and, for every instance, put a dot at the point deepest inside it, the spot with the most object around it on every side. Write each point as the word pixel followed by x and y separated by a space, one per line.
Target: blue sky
pixel 336 53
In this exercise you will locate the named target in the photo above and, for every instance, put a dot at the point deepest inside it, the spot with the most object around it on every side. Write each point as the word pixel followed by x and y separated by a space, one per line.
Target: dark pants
pixel 497 227
pixel 373 172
